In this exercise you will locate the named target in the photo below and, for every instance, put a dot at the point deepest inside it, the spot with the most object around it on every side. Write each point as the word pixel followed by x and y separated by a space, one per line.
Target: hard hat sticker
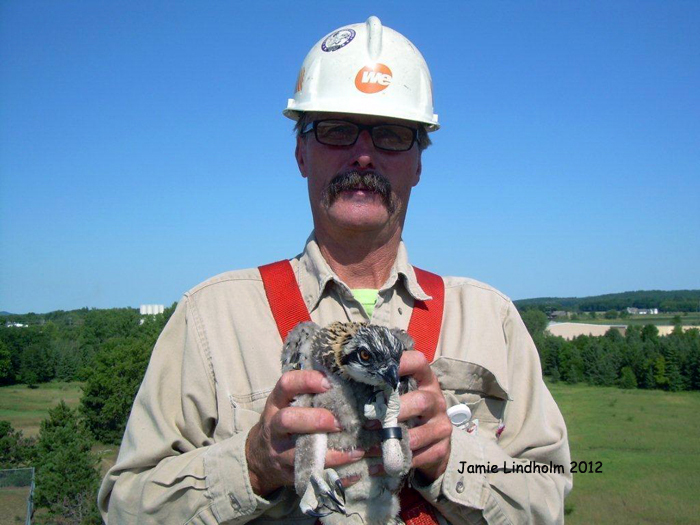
pixel 300 80
pixel 338 39
pixel 373 78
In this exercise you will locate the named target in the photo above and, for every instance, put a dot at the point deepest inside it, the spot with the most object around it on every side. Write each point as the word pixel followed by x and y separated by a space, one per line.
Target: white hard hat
pixel 365 69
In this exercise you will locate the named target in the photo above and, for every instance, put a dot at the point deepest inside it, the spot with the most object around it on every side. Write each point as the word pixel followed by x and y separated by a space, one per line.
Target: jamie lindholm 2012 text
pixel 532 467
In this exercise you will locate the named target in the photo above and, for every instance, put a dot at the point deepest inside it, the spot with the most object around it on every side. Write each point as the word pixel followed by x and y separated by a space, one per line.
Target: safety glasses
pixel 388 137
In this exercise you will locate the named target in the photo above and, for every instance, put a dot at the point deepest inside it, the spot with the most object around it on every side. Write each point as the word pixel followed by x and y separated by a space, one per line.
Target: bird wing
pixel 296 352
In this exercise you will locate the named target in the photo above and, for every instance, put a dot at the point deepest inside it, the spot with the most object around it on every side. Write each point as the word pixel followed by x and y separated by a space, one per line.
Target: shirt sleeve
pixel 534 435
pixel 170 469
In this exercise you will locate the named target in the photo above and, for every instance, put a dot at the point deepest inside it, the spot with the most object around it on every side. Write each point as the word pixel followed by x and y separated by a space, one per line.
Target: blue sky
pixel 143 149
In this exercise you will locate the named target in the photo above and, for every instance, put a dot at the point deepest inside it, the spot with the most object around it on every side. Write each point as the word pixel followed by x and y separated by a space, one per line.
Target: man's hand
pixel 270 446
pixel 430 439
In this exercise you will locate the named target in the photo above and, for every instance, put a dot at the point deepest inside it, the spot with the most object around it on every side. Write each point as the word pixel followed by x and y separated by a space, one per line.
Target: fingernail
pixel 337 424
pixel 357 453
pixel 325 383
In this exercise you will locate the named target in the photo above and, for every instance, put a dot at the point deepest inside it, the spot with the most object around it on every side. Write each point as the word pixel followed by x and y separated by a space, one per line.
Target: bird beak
pixel 391 376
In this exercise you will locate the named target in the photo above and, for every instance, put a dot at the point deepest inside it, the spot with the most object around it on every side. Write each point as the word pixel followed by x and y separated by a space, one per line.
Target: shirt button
pixel 460 486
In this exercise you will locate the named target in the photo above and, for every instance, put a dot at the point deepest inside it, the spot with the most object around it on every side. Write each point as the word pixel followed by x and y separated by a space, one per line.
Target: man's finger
pixel 297 382
pixel 416 404
pixel 415 364
pixel 431 456
pixel 336 458
pixel 425 435
pixel 303 420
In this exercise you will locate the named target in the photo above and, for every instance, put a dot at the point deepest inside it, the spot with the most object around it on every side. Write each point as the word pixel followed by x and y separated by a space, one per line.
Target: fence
pixel 18 478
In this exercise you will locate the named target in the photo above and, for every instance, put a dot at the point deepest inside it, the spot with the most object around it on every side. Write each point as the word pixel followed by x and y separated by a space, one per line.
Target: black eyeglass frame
pixel 360 128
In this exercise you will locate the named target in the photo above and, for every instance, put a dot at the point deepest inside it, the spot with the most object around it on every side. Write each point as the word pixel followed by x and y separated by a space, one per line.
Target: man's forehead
pixel 359 119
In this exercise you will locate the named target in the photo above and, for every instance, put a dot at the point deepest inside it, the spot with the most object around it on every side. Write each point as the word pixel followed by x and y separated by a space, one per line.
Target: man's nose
pixel 364 150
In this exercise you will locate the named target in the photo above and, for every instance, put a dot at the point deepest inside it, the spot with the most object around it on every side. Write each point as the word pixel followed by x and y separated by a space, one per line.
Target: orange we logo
pixel 373 79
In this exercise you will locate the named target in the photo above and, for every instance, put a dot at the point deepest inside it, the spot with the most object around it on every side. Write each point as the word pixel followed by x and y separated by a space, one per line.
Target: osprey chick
pixel 361 361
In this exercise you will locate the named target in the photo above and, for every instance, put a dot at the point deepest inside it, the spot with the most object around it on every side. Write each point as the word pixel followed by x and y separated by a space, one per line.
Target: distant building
pixel 151 309
pixel 559 314
pixel 642 311
pixel 10 324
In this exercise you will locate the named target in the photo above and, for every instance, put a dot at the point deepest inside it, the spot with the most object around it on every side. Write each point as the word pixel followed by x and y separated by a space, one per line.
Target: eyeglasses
pixel 389 137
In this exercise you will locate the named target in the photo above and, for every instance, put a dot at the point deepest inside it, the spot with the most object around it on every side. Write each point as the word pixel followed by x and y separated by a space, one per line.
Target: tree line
pixel 64 346
pixel 639 359
pixel 665 301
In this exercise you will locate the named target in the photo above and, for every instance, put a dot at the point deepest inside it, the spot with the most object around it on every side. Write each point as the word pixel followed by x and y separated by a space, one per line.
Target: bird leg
pixel 384 406
pixel 393 457
pixel 320 489
pixel 323 492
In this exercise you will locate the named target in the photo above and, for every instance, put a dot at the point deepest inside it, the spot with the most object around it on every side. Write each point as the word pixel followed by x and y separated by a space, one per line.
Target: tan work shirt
pixel 182 459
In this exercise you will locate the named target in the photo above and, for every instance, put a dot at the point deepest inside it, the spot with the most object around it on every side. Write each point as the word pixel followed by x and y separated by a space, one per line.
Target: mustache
pixel 357 180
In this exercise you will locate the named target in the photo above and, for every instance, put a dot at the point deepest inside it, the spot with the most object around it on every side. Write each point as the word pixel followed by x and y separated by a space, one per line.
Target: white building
pixel 151 309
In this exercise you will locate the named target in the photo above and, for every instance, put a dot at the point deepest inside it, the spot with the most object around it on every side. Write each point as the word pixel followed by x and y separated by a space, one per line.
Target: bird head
pixel 371 356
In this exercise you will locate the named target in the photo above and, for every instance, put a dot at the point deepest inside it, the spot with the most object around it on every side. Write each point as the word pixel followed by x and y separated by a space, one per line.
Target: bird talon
pixel 341 490
pixel 339 506
pixel 316 514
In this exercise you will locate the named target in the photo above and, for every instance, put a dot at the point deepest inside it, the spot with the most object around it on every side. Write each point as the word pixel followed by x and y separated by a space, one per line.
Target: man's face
pixel 358 188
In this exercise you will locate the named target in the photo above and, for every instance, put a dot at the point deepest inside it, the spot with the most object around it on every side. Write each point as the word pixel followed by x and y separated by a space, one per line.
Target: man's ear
pixel 299 152
pixel 419 170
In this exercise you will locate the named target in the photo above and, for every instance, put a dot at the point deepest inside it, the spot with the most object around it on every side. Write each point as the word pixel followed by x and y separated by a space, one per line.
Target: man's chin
pixel 360 220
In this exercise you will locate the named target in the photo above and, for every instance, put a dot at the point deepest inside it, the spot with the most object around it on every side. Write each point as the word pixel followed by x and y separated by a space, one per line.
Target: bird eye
pixel 364 355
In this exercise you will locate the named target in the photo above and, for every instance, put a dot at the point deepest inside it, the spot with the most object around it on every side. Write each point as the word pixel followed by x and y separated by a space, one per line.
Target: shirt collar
pixel 314 274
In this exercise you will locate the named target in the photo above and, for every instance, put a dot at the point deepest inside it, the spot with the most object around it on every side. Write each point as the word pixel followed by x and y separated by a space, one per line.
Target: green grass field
pixel 648 443
pixel 689 319
pixel 13 505
pixel 649 446
pixel 25 408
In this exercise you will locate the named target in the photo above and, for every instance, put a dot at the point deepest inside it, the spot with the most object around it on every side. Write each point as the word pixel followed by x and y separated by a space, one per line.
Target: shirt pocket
pixel 246 409
pixel 475 386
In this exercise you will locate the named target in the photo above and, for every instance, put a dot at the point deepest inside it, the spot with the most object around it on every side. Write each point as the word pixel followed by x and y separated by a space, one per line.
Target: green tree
pixel 15 450
pixel 5 362
pixel 116 373
pixel 650 333
pixel 66 470
pixel 627 378
pixel 611 314
pixel 660 372
pixel 570 363
pixel 112 385
pixel 535 321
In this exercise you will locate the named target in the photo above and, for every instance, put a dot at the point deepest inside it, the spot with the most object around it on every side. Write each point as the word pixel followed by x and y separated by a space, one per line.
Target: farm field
pixel 25 408
pixel 665 319
pixel 649 445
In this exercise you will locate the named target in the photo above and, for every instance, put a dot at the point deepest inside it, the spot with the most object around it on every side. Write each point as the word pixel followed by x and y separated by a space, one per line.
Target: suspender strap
pixel 424 328
pixel 426 318
pixel 289 309
pixel 283 294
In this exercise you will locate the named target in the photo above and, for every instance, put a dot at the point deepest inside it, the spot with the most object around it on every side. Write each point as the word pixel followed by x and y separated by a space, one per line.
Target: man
pixel 209 437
